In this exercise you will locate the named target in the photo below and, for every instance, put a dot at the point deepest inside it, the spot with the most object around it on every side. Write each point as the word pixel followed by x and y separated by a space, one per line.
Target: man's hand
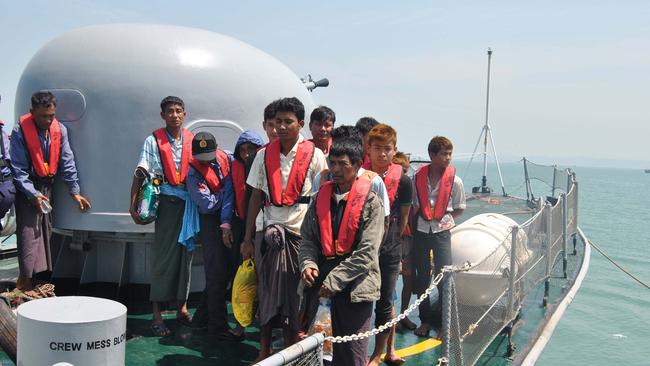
pixel 309 275
pixel 247 249
pixel 84 205
pixel 325 292
pixel 36 201
pixel 227 237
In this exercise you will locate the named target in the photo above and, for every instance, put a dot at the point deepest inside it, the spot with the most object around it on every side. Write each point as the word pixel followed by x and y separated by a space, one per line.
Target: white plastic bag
pixel 323 324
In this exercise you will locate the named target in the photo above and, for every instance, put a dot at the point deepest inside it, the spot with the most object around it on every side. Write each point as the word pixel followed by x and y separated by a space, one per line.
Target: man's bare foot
pixel 408 324
pixel 374 361
pixel 423 330
pixel 392 359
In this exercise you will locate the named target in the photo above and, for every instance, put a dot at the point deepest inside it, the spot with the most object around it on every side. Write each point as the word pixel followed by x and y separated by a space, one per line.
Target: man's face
pixel 441 159
pixel 174 115
pixel 288 126
pixel 322 130
pixel 343 171
pixel 381 153
pixel 247 152
pixel 269 128
pixel 43 116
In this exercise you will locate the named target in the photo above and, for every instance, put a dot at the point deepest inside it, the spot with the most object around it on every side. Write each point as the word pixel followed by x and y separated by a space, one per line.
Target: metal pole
pixel 565 239
pixel 471 159
pixel 553 189
pixel 496 159
pixel 529 188
pixel 513 272
pixel 487 126
pixel 549 240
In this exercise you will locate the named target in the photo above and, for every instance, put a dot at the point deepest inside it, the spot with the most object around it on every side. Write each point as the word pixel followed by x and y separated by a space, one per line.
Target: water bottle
pixel 46 208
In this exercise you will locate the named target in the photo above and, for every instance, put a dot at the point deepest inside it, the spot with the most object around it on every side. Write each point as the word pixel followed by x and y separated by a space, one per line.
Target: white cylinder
pixel 71 330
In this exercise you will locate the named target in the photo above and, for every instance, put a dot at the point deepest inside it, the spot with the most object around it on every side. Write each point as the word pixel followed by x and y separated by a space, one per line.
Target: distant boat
pixel 647 170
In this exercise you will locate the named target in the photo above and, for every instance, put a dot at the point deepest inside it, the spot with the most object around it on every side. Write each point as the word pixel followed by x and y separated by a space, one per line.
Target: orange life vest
pixel 238 174
pixel 391 179
pixel 351 215
pixel 169 168
pixel 297 175
pixel 41 168
pixel 210 176
pixel 444 192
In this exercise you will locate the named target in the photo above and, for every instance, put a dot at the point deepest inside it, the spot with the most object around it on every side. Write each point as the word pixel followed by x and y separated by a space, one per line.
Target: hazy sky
pixel 570 79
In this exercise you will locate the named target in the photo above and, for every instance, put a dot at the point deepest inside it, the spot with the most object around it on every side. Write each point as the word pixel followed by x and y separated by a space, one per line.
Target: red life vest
pixel 30 133
pixel 351 215
pixel 238 174
pixel 297 175
pixel 327 149
pixel 210 176
pixel 169 168
pixel 391 179
pixel 444 192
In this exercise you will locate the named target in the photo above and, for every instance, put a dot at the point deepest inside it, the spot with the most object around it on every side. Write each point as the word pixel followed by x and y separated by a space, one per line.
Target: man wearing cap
pixel 210 187
pixel 7 189
pixel 166 154
pixel 39 151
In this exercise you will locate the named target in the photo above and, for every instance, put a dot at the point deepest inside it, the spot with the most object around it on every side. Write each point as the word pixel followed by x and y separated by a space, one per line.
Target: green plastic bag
pixel 244 293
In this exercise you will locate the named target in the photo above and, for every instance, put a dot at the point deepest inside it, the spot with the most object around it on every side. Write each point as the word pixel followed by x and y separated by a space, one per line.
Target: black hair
pixel 269 111
pixel 291 104
pixel 347 131
pixel 171 100
pixel 43 99
pixel 348 146
pixel 322 113
pixel 365 124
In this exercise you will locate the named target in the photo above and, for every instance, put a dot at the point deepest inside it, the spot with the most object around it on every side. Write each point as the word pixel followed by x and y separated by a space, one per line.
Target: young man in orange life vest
pixel 321 123
pixel 439 199
pixel 39 151
pixel 382 146
pixel 341 233
pixel 284 170
pixel 166 154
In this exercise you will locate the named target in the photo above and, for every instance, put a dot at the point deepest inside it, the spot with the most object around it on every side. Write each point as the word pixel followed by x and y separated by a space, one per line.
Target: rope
pixel 617 265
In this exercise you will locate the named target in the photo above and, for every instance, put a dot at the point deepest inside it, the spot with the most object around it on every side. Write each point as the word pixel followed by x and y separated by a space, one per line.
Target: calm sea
pixel 609 320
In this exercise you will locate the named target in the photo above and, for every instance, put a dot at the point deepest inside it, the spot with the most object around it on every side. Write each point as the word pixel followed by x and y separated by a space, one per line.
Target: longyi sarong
pixel 279 277
pixel 171 263
pixel 33 233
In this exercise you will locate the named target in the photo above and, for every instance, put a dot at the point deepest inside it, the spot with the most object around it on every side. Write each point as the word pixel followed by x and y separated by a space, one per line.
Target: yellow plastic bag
pixel 244 293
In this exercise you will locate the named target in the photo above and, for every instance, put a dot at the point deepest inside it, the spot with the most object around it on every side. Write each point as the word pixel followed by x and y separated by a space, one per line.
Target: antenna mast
pixel 486 133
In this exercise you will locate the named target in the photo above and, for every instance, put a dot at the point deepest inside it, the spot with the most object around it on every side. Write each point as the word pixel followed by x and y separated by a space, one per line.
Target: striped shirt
pixel 150 156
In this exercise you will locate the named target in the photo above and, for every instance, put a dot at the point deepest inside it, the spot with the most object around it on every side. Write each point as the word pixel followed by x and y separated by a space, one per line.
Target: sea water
pixel 608 322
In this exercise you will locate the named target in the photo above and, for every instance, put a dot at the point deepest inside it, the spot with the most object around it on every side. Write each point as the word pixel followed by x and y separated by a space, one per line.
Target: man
pixel 339 254
pixel 166 154
pixel 321 123
pixel 210 187
pixel 439 199
pixel 284 170
pixel 39 150
pixel 7 189
pixel 364 125
pixel 382 142
pixel 268 124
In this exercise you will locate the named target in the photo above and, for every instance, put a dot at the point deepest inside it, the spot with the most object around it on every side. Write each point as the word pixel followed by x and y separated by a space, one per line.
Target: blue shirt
pixel 207 201
pixel 5 171
pixel 22 163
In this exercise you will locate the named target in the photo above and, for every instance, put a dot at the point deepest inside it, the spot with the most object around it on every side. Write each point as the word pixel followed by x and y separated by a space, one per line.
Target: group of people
pixel 336 216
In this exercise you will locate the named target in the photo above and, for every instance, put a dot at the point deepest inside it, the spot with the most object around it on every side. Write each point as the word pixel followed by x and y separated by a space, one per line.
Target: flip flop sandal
pixel 46 290
pixel 160 330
